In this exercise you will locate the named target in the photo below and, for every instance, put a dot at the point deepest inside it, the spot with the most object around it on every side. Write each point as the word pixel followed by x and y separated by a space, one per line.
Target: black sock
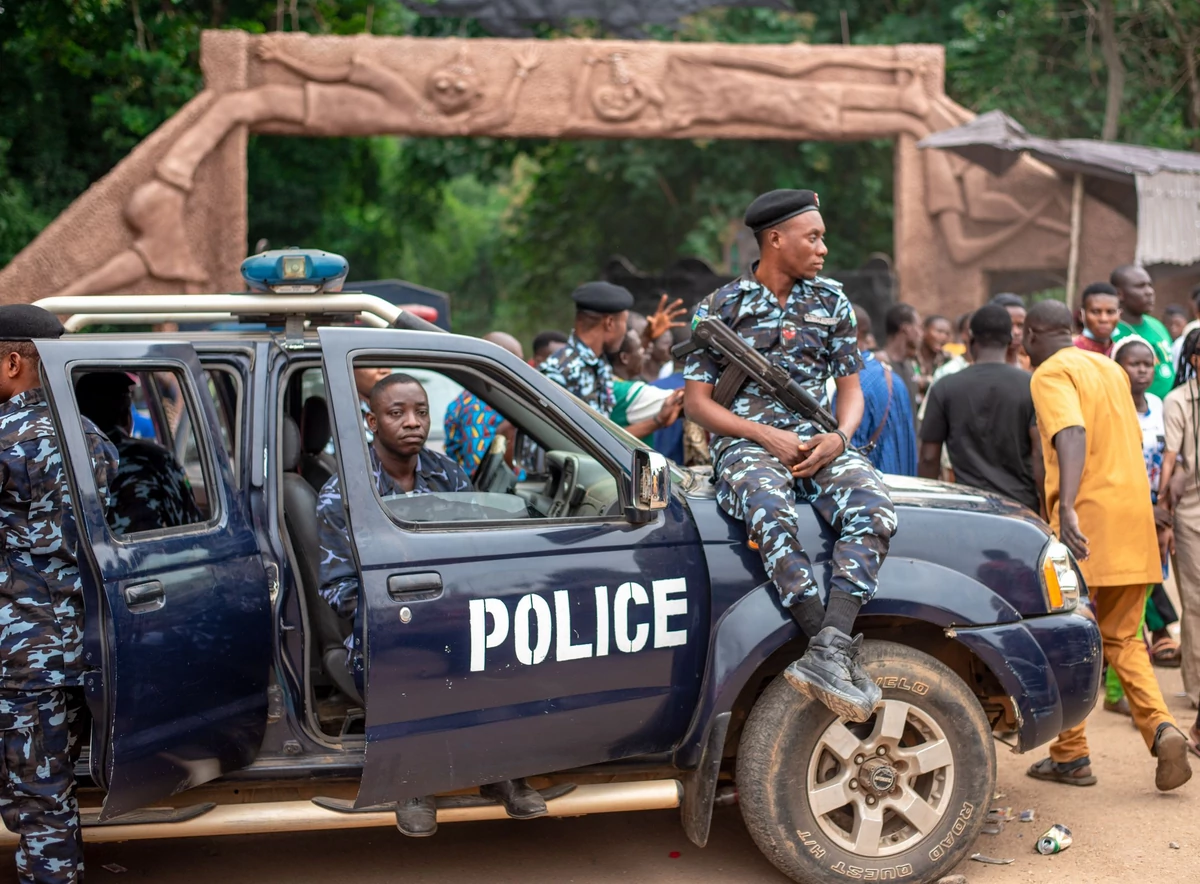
pixel 841 611
pixel 809 613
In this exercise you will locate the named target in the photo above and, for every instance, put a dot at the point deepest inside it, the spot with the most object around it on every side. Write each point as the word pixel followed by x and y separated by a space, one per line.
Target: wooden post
pixel 1073 254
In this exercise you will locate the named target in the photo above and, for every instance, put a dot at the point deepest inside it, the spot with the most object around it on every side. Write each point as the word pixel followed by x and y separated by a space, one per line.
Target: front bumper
pixel 1049 666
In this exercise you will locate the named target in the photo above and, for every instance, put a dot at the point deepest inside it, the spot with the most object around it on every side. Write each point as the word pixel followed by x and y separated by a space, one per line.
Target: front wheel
pixel 900 797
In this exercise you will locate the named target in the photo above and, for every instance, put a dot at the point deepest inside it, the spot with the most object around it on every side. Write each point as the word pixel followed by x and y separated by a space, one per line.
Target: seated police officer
pixel 767 459
pixel 151 490
pixel 398 420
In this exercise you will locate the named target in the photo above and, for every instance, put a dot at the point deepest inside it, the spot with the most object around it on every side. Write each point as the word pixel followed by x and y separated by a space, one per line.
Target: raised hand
pixel 665 317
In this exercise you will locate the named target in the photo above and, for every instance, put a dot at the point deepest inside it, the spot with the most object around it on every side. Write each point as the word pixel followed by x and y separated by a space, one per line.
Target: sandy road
pixel 1122 828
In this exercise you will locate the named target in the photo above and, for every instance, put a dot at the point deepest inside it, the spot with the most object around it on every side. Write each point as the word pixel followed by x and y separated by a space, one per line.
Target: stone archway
pixel 172 216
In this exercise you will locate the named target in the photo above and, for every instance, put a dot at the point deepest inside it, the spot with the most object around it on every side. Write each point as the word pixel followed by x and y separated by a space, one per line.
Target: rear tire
pixel 900 797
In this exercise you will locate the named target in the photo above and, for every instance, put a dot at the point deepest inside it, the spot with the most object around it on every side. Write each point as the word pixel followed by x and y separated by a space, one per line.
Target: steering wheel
pixel 493 474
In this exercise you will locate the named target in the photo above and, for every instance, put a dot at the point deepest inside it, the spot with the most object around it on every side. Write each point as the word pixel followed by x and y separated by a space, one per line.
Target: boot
pixel 417 817
pixel 858 674
pixel 824 673
pixel 520 801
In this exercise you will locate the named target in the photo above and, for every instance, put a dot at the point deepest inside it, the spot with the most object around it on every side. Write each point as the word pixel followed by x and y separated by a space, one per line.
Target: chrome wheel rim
pixel 881 787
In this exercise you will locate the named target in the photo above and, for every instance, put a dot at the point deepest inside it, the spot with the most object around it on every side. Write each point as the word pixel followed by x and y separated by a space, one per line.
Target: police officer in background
pixel 768 459
pixel 42 710
pixel 150 490
pixel 581 367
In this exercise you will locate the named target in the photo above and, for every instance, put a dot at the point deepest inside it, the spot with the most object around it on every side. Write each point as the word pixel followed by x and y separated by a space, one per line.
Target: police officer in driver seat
pixel 400 463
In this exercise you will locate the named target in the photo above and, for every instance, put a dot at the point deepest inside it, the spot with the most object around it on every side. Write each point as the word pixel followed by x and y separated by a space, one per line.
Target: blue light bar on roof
pixel 295 272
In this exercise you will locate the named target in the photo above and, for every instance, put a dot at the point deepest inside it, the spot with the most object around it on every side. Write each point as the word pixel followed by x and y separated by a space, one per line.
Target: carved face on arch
pixel 454 88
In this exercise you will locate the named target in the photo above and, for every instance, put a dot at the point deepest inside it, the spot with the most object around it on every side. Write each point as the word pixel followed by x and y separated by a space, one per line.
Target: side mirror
pixel 650 489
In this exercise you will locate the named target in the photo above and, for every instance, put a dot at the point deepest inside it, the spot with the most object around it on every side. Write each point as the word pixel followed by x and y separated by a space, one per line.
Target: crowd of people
pixel 1091 419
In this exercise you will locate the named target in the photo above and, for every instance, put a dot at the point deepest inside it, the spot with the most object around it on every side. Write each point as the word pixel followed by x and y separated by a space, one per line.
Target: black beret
pixel 602 297
pixel 776 206
pixel 24 322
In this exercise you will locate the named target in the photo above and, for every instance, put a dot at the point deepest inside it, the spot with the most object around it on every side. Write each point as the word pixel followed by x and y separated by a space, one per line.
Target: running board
pixel 150 816
pixel 305 816
pixel 444 802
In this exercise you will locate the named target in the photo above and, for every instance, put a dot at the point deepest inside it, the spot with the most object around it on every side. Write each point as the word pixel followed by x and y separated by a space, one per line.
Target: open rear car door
pixel 177 641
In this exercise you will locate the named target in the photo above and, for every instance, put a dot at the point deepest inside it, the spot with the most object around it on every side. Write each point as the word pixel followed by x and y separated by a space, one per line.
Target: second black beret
pixel 777 206
pixel 602 297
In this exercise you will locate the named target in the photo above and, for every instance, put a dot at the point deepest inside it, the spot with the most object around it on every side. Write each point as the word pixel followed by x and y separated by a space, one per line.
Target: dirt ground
pixel 1122 830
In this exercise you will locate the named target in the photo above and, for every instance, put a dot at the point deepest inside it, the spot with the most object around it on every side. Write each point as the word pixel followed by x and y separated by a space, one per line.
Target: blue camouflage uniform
pixel 339 578
pixel 41 637
pixel 814 337
pixel 150 490
pixel 577 369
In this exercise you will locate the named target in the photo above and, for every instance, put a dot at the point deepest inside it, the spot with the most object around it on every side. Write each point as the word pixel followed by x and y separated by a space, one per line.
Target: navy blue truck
pixel 596 624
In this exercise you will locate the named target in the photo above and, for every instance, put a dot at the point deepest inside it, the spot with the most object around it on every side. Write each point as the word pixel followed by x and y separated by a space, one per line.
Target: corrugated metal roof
pixel 1168 230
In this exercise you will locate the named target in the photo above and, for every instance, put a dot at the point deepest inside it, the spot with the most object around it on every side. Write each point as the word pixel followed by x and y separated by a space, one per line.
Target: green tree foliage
pixel 508 226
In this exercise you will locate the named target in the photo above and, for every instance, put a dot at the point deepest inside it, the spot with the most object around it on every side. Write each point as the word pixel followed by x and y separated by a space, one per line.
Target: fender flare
pixel 755 626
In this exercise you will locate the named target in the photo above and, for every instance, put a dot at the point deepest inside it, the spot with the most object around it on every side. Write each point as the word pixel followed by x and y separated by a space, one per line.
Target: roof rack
pixel 87 310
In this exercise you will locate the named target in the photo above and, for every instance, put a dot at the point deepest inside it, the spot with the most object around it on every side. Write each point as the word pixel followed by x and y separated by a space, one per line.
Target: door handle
pixel 143 597
pixel 419 587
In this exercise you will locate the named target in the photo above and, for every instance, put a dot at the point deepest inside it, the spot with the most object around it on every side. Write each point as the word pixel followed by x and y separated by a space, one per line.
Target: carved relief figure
pixel 359 97
pixel 623 98
pixel 958 192
pixel 747 90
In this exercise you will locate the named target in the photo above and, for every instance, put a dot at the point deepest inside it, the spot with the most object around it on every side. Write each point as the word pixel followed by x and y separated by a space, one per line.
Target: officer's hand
pixel 784 445
pixel 1070 534
pixel 816 452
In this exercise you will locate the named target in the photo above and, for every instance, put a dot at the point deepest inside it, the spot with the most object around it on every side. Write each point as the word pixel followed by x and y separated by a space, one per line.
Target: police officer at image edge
pixel 768 461
pixel 42 711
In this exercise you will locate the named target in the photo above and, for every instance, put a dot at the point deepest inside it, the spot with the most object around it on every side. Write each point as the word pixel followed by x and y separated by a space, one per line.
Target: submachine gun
pixel 741 362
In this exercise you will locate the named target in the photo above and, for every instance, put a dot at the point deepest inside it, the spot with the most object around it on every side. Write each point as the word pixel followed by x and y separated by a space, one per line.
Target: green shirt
pixel 1160 339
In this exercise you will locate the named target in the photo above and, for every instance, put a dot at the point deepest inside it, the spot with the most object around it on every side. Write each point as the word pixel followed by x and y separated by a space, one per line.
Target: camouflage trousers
pixel 39 738
pixel 847 493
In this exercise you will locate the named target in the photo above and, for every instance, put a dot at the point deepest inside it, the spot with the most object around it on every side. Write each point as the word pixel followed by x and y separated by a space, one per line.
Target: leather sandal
pixel 1072 773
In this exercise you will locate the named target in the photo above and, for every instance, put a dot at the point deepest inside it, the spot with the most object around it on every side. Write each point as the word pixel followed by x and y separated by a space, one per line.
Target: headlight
pixel 1060 582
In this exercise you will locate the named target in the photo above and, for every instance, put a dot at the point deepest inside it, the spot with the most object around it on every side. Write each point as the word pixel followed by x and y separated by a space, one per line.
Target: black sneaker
pixel 417 817
pixel 858 674
pixel 824 673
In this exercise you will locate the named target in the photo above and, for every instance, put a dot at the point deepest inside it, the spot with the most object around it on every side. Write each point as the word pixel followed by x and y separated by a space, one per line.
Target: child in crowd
pixel 1182 423
pixel 1136 356
pixel 1099 313
pixel 1175 318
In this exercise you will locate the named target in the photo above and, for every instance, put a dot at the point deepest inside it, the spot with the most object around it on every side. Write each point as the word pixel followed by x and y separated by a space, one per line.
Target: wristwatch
pixel 845 441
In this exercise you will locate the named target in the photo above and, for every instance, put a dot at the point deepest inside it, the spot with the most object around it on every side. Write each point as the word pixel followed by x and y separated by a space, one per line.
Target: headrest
pixel 291 445
pixel 314 425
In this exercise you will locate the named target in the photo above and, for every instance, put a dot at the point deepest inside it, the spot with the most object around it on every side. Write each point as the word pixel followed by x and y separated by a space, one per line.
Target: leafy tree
pixel 510 226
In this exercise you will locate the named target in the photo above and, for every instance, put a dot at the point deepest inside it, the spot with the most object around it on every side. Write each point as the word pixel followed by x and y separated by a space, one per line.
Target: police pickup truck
pixel 595 623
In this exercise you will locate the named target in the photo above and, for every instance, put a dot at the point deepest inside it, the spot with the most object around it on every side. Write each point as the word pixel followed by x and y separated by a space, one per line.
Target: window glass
pixel 456 446
pixel 155 487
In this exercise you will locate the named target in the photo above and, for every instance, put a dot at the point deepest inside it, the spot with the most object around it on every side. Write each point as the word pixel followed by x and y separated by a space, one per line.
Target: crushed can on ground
pixel 1056 840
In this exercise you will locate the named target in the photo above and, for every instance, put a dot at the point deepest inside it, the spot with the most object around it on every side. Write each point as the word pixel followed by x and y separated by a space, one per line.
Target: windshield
pixel 630 441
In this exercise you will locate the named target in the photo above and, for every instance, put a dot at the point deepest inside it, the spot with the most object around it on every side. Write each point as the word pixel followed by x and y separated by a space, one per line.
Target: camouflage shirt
pixel 41 594
pixel 339 578
pixel 578 369
pixel 813 336
pixel 151 489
